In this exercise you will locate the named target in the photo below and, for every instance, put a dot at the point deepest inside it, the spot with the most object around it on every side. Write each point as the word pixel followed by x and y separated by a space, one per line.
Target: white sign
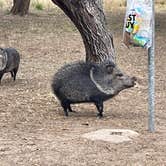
pixel 138 23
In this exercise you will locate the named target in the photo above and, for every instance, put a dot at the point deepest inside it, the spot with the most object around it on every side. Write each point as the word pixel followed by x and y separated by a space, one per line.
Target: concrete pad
pixel 112 135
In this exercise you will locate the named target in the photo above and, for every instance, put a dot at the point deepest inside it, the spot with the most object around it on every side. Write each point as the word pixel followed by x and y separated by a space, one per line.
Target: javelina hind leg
pixel 99 106
pixel 12 74
pixel 15 73
pixel 70 109
pixel 65 107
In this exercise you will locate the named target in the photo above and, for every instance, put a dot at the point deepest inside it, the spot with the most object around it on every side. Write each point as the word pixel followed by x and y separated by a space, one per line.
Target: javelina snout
pixel 128 81
pixel 88 82
pixel 9 62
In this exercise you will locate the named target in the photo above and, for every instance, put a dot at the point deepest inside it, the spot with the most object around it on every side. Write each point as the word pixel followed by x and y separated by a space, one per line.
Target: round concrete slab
pixel 111 135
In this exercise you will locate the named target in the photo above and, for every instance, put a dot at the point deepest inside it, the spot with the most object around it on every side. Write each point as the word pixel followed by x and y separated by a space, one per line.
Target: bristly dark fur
pixel 12 64
pixel 74 83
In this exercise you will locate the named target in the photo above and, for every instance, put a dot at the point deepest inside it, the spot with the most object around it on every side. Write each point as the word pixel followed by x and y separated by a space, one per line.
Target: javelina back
pixel 87 82
pixel 9 62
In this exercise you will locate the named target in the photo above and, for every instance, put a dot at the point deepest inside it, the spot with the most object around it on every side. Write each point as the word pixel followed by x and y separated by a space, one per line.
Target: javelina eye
pixel 109 69
pixel 119 74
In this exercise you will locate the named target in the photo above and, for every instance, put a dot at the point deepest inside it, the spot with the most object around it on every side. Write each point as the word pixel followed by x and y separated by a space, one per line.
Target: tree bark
pixel 20 7
pixel 89 18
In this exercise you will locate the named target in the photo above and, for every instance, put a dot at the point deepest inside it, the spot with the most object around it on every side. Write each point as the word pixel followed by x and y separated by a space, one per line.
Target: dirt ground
pixel 33 129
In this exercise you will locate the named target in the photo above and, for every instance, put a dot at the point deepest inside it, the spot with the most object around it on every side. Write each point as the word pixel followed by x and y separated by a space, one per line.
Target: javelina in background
pixel 9 62
pixel 87 82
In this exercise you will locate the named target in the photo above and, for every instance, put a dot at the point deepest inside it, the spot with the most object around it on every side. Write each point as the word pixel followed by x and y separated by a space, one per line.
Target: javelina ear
pixel 93 67
pixel 1 50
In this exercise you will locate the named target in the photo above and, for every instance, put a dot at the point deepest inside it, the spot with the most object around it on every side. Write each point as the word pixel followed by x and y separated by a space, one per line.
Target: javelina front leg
pixel 65 107
pixel 99 106
pixel 1 75
pixel 15 73
pixel 12 74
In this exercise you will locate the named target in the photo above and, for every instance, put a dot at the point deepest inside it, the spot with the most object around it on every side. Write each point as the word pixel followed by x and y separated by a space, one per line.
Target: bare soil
pixel 33 129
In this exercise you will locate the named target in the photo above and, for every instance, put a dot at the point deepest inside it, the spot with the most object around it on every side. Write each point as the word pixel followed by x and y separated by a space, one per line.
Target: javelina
pixel 87 82
pixel 9 62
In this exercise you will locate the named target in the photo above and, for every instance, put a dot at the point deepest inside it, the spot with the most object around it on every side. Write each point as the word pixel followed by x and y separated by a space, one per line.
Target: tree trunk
pixel 89 18
pixel 20 7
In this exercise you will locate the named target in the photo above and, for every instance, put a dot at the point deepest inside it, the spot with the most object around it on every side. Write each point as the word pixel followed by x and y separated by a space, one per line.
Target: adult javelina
pixel 87 82
pixel 9 62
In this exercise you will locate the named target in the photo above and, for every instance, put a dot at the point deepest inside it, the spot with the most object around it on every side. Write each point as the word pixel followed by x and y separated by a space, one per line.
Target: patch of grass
pixel 1 4
pixel 162 3
pixel 37 5
pixel 112 4
pixel 42 4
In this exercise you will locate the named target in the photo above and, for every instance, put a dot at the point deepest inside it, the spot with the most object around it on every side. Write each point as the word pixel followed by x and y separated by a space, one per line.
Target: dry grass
pixel 47 4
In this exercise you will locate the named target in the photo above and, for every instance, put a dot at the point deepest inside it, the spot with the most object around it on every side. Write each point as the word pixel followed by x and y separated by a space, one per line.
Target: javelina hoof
pixel 99 116
pixel 66 114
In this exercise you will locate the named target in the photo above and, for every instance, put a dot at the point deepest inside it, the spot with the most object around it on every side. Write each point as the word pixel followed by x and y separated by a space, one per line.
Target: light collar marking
pixel 99 87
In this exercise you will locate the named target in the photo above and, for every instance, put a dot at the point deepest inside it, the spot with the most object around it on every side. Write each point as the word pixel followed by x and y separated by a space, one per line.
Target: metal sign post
pixel 151 69
pixel 139 28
